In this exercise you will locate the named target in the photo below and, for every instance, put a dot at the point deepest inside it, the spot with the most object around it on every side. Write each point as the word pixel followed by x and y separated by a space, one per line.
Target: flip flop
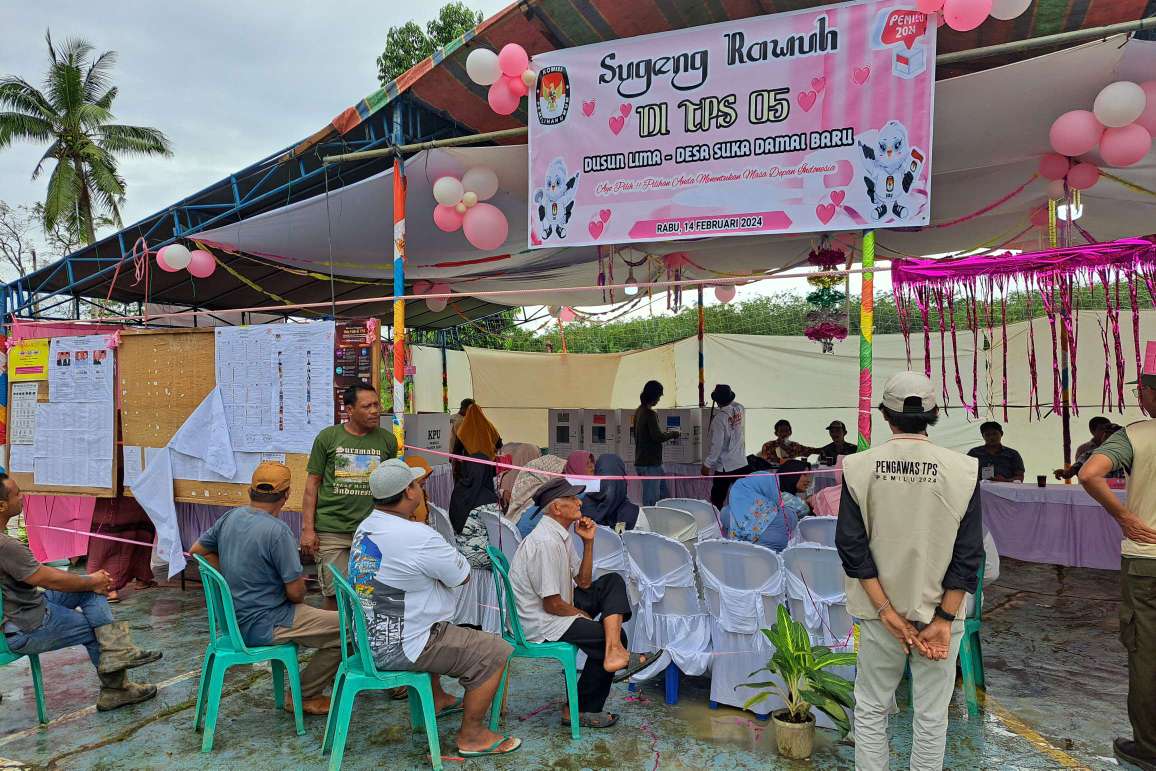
pixel 492 749
pixel 457 706
pixel 636 665
pixel 593 719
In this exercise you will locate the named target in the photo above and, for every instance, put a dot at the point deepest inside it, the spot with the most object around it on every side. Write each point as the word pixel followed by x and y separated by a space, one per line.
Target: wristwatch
pixel 939 611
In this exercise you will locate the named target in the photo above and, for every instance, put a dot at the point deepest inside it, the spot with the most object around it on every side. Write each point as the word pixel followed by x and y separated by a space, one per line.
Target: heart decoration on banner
pixel 616 123
pixel 460 206
pixel 507 73
pixel 807 100
pixel 859 75
pixel 588 107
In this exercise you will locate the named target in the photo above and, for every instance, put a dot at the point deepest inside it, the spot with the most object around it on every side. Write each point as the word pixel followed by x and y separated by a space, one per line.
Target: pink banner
pixel 816 120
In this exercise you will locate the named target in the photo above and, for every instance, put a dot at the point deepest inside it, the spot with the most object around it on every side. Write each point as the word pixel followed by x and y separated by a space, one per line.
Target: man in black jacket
pixel 648 441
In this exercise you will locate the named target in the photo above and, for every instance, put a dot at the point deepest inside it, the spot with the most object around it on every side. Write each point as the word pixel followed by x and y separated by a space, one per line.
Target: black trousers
pixel 1138 633
pixel 722 485
pixel 605 597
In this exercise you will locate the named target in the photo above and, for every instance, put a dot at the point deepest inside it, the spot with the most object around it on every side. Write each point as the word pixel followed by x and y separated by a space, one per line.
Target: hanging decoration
pixel 460 206
pixel 966 15
pixel 177 257
pixel 507 73
pixel 825 320
pixel 675 264
pixel 1121 124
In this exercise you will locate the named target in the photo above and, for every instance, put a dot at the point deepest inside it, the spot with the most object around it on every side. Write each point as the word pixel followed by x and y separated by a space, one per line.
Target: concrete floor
pixel 1055 671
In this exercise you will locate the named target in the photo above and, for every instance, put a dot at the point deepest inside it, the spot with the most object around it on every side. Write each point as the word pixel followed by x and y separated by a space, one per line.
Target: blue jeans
pixel 653 490
pixel 70 619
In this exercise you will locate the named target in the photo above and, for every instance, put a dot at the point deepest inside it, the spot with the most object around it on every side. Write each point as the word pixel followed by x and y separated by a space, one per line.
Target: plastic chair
pixel 704 512
pixel 501 533
pixel 609 556
pixel 358 673
pixel 439 520
pixel 565 653
pixel 227 649
pixel 672 523
pixel 7 657
pixel 820 530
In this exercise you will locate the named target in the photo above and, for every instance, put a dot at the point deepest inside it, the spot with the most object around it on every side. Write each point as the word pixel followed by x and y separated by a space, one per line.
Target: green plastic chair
pixel 227 649
pixel 7 657
pixel 358 673
pixel 512 633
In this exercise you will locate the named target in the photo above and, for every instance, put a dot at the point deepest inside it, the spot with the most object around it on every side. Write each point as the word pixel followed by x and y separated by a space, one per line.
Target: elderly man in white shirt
pixel 543 576
pixel 727 453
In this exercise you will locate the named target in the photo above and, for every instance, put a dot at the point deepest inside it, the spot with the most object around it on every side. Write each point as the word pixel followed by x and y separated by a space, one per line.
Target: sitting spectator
pixel 829 453
pixel 759 512
pixel 579 463
pixel 473 491
pixel 420 463
pixel 1099 435
pixel 796 482
pixel 781 448
pixel 825 502
pixel 522 511
pixel 404 574
pixel 72 611
pixel 519 454
pixel 257 554
pixel 1098 427
pixel 610 506
pixel 543 576
pixel 996 462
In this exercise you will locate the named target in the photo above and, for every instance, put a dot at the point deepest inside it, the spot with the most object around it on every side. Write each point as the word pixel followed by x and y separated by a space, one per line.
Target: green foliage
pixel 73 116
pixel 806 683
pixel 408 44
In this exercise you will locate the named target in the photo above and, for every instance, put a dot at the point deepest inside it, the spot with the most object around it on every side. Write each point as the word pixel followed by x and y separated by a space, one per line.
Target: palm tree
pixel 73 114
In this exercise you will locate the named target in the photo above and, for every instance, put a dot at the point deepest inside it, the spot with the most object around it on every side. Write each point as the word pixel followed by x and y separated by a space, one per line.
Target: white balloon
pixel 1120 103
pixel 482 67
pixel 725 293
pixel 437 304
pixel 448 191
pixel 481 180
pixel 176 256
pixel 1008 9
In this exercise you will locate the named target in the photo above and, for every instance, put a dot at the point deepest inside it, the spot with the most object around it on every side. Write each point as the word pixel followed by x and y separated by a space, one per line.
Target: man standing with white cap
pixel 910 535
pixel 1134 451
pixel 404 573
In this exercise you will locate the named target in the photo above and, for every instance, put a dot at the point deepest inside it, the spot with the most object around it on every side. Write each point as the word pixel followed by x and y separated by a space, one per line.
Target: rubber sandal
pixel 399 693
pixel 457 706
pixel 593 719
pixel 636 665
pixel 492 749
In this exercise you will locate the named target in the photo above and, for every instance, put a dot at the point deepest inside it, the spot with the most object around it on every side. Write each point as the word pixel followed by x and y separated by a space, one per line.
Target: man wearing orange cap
pixel 257 554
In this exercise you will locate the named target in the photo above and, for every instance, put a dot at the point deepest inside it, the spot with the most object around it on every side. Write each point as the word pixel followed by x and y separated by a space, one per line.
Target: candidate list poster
pixel 816 120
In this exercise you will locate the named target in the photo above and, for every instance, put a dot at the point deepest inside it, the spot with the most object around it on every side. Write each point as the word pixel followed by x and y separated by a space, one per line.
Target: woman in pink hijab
pixel 579 463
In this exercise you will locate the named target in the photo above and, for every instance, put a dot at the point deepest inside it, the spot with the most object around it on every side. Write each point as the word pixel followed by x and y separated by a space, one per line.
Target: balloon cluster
pixel 966 15
pixel 460 207
pixel 1121 123
pixel 507 73
pixel 435 304
pixel 176 257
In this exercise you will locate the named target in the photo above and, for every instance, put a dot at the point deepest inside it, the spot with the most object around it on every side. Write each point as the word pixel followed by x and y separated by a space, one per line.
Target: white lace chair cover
pixel 502 533
pixel 669 614
pixel 609 555
pixel 672 523
pixel 814 584
pixel 816 530
pixel 477 602
pixel 704 513
pixel 439 520
pixel 743 585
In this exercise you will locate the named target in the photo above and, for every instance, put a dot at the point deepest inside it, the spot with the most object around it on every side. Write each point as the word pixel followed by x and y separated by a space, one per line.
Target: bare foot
pixel 443 700
pixel 616 658
pixel 318 705
pixel 482 739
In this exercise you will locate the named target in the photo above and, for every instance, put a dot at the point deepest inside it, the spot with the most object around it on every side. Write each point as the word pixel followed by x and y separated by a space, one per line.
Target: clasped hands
pixel 932 643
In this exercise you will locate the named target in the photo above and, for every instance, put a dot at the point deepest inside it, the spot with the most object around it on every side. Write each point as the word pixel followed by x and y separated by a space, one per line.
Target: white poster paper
pixel 22 413
pixel 74 444
pixel 80 369
pixel 21 459
pixel 131 462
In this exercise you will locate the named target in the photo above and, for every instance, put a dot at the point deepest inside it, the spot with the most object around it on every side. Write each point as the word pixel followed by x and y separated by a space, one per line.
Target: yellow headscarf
pixel 416 461
pixel 477 434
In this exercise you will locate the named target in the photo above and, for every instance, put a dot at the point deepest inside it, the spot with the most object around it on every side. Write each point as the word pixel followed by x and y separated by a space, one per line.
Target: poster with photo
pixel 80 369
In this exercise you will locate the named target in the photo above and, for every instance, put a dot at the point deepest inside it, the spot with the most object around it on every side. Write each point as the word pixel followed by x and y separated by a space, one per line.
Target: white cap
pixel 905 385
pixel 392 477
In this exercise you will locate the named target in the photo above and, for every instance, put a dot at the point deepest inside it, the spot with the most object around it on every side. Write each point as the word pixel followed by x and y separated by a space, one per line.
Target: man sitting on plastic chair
pixel 72 612
pixel 543 576
pixel 404 573
pixel 257 554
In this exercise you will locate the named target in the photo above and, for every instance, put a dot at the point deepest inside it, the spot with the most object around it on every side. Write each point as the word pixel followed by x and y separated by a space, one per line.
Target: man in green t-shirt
pixel 337 493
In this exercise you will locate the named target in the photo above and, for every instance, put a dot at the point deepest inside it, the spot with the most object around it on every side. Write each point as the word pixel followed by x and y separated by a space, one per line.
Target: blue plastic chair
pixel 228 649
pixel 358 673
pixel 565 653
pixel 7 657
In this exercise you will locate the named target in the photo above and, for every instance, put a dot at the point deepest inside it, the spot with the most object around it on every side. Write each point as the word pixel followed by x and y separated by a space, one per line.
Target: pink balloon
pixel 1053 166
pixel 161 261
pixel 486 227
pixel 725 293
pixel 566 315
pixel 928 6
pixel 513 60
pixel 516 86
pixel 1147 118
pixel 1075 133
pixel 1126 145
pixel 1083 175
pixel 1056 189
pixel 966 15
pixel 1040 215
pixel 202 263
pixel 422 287
pixel 501 100
pixel 447 218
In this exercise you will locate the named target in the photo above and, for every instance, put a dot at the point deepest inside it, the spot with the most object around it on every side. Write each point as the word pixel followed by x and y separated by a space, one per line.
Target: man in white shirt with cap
pixel 727 448
pixel 910 536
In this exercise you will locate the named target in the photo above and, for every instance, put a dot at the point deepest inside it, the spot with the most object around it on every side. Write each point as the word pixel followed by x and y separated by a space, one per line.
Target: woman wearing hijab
pixel 476 435
pixel 519 454
pixel 579 463
pixel 522 511
pixel 759 512
pixel 609 505
pixel 421 513
pixel 794 481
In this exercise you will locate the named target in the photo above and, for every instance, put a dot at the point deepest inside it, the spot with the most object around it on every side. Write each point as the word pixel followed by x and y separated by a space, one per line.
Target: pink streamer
pixel 955 350
pixel 1134 299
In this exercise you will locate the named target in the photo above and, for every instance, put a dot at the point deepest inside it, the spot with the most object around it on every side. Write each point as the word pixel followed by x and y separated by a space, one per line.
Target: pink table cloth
pixel 1053 525
pixel 71 513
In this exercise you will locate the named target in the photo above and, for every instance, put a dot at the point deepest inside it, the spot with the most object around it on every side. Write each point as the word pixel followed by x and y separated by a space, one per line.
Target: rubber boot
pixel 117 691
pixel 117 650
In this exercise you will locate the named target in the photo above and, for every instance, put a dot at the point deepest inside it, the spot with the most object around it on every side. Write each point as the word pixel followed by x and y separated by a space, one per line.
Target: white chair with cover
pixel 669 615
pixel 609 555
pixel 820 530
pixel 439 520
pixel 672 523
pixel 477 599
pixel 704 513
pixel 743 586
pixel 503 535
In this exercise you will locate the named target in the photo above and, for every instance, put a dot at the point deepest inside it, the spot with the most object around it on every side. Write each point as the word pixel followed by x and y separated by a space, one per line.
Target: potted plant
pixel 806 684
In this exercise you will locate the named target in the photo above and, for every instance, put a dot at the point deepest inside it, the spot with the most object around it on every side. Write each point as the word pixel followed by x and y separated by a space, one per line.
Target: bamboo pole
pixel 399 302
pixel 866 339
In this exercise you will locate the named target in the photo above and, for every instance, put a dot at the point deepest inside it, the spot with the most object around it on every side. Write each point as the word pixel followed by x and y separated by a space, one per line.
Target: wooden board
pixel 25 480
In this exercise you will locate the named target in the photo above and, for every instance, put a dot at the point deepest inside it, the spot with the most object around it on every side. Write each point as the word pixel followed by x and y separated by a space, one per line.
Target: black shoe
pixel 1127 752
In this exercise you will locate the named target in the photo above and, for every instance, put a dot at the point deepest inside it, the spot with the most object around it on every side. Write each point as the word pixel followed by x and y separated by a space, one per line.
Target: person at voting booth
pixel 337 496
pixel 727 453
pixel 648 441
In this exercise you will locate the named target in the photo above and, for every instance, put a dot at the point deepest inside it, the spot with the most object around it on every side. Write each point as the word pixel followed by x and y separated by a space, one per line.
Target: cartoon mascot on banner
pixel 891 167
pixel 555 200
